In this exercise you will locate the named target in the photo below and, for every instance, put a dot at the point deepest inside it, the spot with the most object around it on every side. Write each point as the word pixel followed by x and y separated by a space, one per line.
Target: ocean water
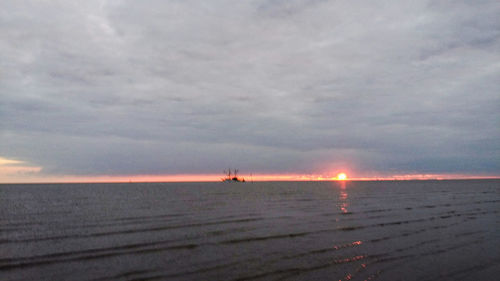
pixel 406 230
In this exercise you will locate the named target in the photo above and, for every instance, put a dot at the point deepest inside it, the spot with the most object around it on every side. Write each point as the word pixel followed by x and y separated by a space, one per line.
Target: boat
pixel 232 176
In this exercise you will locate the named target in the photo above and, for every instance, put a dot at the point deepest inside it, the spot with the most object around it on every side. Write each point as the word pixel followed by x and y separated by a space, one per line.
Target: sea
pixel 349 230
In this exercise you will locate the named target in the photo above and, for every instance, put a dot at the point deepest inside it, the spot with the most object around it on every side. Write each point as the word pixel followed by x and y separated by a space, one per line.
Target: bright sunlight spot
pixel 341 177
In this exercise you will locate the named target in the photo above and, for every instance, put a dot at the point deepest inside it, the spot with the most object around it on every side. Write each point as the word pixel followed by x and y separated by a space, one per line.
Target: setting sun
pixel 341 176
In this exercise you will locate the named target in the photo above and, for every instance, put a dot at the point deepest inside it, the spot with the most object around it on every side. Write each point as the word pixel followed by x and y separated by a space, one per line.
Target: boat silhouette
pixel 232 176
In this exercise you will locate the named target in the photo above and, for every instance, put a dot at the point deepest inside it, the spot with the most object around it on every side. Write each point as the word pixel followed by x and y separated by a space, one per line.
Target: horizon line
pixel 216 178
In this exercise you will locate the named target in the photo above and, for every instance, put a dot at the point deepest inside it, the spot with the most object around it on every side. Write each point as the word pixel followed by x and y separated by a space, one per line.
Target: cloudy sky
pixel 107 88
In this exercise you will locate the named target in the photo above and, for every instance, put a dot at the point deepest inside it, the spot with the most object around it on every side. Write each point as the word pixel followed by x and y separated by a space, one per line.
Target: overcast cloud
pixel 276 86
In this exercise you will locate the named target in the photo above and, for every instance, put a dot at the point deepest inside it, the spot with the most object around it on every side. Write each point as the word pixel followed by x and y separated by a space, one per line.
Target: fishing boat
pixel 232 176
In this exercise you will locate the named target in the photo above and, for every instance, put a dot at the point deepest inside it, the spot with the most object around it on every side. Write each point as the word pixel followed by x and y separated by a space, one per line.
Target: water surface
pixel 406 230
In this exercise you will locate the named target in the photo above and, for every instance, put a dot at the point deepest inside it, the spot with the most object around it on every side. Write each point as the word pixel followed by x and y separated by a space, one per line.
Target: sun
pixel 341 176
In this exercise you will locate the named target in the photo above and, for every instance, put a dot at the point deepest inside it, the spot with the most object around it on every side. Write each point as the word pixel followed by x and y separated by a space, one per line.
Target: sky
pixel 103 89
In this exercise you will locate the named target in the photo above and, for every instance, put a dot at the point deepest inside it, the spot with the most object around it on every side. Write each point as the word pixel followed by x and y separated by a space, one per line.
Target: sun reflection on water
pixel 343 197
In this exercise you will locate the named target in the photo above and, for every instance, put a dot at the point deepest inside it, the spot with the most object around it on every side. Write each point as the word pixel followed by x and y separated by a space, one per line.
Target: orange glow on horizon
pixel 38 178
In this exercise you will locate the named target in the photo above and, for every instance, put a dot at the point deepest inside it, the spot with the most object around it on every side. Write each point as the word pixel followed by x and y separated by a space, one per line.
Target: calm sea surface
pixel 408 230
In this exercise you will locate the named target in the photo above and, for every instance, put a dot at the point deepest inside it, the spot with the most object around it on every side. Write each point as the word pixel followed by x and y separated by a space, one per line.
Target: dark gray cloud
pixel 134 87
